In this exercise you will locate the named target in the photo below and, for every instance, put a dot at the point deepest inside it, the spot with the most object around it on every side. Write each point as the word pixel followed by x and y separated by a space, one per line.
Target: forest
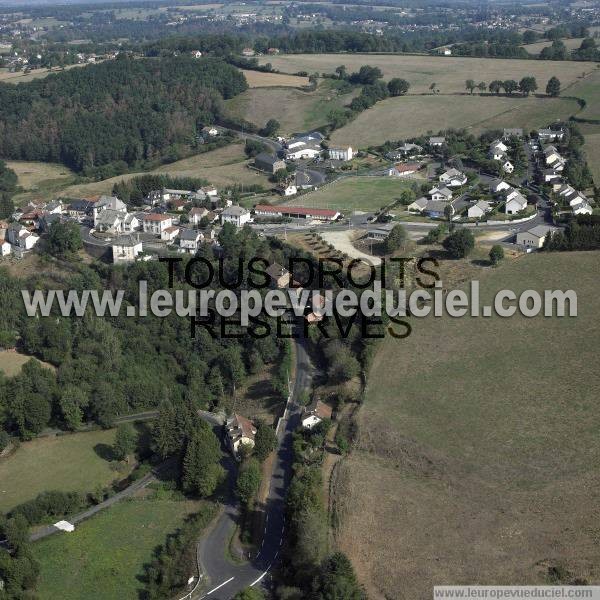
pixel 107 118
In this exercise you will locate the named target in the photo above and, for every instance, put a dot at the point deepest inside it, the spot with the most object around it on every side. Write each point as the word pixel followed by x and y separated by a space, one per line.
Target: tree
pixel 470 85
pixel 460 243
pixel 7 206
pixel 395 239
pixel 4 440
pixel 553 87
pixel 527 85
pixel 125 441
pixel 265 441
pixel 510 86
pixel 367 75
pixel 337 580
pixel 481 86
pixel 271 127
pixel 250 593
pixel 495 86
pixel 253 147
pixel 64 239
pixel 341 71
pixel 496 254
pixel 433 87
pixel 248 481
pixel 202 473
pixel 398 86
pixel 72 402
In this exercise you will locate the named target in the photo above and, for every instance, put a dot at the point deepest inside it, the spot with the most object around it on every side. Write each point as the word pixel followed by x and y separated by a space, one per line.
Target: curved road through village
pixel 221 577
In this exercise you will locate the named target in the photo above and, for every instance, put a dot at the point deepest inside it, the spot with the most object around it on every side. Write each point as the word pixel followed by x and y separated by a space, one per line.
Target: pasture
pixel 535 49
pixel 105 557
pixel 256 79
pixel 477 450
pixel 447 72
pixel 39 180
pixel 589 90
pixel 68 463
pixel 355 193
pixel 409 116
pixel 20 77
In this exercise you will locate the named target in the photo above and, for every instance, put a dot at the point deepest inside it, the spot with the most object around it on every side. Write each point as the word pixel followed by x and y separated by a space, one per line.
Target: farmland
pixel 449 73
pixel 68 463
pixel 256 79
pixel 399 118
pixel 589 90
pixel 535 49
pixel 355 193
pixel 476 453
pixel 39 180
pixel 104 558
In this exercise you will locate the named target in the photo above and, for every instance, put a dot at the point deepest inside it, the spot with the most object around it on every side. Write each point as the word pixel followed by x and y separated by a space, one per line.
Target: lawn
pixel 355 193
pixel 70 463
pixel 104 558
pixel 449 73
pixel 399 118
pixel 478 447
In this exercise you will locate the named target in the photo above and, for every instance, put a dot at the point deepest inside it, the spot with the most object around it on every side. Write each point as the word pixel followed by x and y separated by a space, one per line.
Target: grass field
pixel 535 49
pixel 355 193
pixel 449 73
pixel 398 118
pixel 221 167
pixel 69 463
pixel 477 447
pixel 589 90
pixel 12 362
pixel 295 110
pixel 592 152
pixel 39 180
pixel 20 77
pixel 256 79
pixel 104 558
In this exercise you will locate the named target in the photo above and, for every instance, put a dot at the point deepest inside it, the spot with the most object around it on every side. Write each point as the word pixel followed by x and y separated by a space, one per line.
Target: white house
pixel 196 214
pixel 404 169
pixel 551 135
pixel 211 131
pixel 516 204
pixel 344 154
pixel 314 413
pixel 551 176
pixel 155 223
pixel 498 185
pixel 131 223
pixel 437 141
pixel 442 193
pixel 21 237
pixel 478 209
pixel 288 189
pixel 237 215
pixel 507 166
pixel 110 221
pixel 498 150
pixel 240 432
pixel 190 239
pixel 297 150
pixel 168 234
pixel 5 247
pixel 534 237
pixel 107 203
pixel 418 205
pixel 196 54
pixel 126 248
pixel 453 178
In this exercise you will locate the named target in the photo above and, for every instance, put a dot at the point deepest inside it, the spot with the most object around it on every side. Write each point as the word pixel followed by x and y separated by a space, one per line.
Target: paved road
pixel 223 579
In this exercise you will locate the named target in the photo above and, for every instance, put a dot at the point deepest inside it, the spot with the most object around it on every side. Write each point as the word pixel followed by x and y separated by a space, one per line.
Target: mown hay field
pixel 478 444
pixel 448 73
pixel 399 118
pixel 256 79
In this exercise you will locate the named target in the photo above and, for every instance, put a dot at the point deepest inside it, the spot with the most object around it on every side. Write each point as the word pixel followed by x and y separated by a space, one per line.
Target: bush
pixel 459 243
pixel 496 254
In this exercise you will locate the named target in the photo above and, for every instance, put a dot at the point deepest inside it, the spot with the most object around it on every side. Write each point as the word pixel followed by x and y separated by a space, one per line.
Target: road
pixel 222 579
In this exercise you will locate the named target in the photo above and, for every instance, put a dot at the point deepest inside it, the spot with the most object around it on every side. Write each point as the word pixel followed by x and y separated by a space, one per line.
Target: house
pixel 126 248
pixel 314 413
pixel 280 276
pixel 498 185
pixel 238 215
pixel 534 237
pixel 507 166
pixel 437 208
pixel 178 205
pixel 498 150
pixel 153 198
pixel 169 195
pixel 79 209
pixel 190 239
pixel 268 163
pixel 381 233
pixel 404 169
pixel 437 141
pixel 553 159
pixel 240 431
pixel 47 220
pixel 418 205
pixel 272 50
pixel 21 237
pixel 344 154
pixel 210 131
pixel 110 221
pixel 296 212
pixel 551 135
pixel 512 132
pixel 407 149
pixel 550 176
pixel 54 208
pixel 5 247
pixel 107 203
pixel 287 189
pixel 208 191
pixel 453 178
pixel 196 54
pixel 445 51
pixel 297 150
pixel 516 204
pixel 196 214
pixel 478 210
pixel 131 223
pixel 441 194
pixel 168 234
pixel 581 207
pixel 156 223
pixel 247 52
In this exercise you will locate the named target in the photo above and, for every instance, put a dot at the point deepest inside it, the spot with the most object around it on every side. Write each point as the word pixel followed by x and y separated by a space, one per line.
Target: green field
pixel 104 558
pixel 355 193
pixel 399 118
pixel 589 90
pixel 70 463
pixel 478 443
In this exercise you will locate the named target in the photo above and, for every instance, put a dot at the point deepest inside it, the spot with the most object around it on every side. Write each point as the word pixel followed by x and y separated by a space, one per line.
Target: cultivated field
pixel 104 558
pixel 449 73
pixel 355 193
pixel 69 463
pixel 399 118
pixel 256 79
pixel 222 167
pixel 477 450
pixel 295 110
